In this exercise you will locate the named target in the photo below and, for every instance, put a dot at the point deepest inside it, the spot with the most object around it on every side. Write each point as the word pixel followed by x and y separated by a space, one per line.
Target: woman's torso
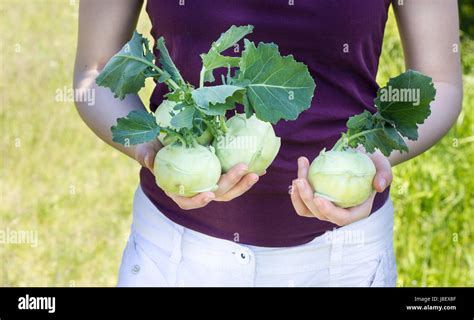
pixel 340 42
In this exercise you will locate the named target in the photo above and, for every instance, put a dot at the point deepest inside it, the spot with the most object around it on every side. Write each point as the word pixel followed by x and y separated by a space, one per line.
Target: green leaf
pixel 206 96
pixel 213 59
pixel 138 127
pixel 279 87
pixel 176 96
pixel 405 101
pixel 386 139
pixel 167 63
pixel 359 122
pixel 233 35
pixel 163 77
pixel 373 132
pixel 183 118
pixel 221 108
pixel 247 107
pixel 402 104
pixel 126 71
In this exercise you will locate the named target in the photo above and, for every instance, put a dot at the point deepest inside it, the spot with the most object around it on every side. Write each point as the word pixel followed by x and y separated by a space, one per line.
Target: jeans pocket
pixel 386 272
pixel 139 270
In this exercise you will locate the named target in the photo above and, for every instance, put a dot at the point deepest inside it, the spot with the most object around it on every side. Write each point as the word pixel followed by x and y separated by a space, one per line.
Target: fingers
pixel 145 153
pixel 149 159
pixel 342 216
pixel 230 179
pixel 240 188
pixel 231 185
pixel 302 194
pixel 202 199
pixel 303 167
pixel 383 177
pixel 146 157
pixel 198 201
pixel 298 204
pixel 307 196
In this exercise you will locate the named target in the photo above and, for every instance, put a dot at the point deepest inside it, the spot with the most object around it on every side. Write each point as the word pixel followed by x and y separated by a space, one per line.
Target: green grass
pixel 59 180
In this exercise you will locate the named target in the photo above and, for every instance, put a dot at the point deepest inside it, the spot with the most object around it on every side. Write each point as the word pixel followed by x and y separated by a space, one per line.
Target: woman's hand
pixel 308 205
pixel 145 153
pixel 231 185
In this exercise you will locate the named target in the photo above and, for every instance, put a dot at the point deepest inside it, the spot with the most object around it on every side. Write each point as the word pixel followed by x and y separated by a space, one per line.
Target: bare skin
pixel 102 32
pixel 429 47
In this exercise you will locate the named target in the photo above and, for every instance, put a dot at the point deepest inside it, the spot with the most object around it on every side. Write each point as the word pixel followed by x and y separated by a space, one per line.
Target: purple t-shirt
pixel 339 40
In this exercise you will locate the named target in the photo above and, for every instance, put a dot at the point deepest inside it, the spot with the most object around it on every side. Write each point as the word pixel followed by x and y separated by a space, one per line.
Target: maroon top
pixel 339 40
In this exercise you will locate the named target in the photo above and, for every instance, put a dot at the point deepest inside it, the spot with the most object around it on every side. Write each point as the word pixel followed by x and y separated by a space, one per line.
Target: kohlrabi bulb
pixel 250 141
pixel 343 177
pixel 163 119
pixel 186 171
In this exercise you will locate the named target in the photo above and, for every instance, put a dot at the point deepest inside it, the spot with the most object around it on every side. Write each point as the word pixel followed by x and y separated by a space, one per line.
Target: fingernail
pixel 383 183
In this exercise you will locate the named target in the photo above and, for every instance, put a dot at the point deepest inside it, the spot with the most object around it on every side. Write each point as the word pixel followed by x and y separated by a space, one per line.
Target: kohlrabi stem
pixel 222 123
pixel 340 144
pixel 343 142
pixel 201 77
pixel 171 82
pixel 181 139
pixel 211 127
pixel 190 139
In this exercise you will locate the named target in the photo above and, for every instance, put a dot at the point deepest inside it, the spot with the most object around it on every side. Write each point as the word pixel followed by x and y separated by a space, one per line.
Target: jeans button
pixel 242 257
pixel 136 269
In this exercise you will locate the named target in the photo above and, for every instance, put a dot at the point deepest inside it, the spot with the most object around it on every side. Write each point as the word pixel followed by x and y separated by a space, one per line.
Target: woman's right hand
pixel 145 153
pixel 232 184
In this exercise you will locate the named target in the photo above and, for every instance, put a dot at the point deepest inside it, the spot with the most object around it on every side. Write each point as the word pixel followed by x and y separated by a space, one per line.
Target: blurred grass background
pixel 58 179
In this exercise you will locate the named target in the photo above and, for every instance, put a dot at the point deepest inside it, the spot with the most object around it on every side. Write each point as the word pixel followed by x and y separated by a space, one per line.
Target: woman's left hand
pixel 308 205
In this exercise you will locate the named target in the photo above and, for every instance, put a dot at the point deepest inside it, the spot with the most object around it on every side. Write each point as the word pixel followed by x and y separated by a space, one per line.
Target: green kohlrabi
pixel 250 141
pixel 186 171
pixel 271 87
pixel 344 175
pixel 164 114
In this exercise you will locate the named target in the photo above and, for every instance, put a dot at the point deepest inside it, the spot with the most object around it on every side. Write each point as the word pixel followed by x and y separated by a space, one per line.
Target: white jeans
pixel 160 252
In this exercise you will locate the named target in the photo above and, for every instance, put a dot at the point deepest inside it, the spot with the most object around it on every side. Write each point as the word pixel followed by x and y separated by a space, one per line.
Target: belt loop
pixel 177 239
pixel 176 256
pixel 337 246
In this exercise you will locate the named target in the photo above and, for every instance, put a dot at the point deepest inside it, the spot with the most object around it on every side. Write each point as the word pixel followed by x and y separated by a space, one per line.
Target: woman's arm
pixel 104 27
pixel 429 31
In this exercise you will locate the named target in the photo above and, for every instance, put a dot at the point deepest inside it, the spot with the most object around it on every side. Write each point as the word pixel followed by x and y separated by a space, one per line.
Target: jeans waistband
pixel 369 235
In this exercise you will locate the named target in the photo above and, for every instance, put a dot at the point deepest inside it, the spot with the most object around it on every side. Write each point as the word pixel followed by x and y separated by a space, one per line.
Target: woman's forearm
pixel 432 48
pixel 444 112
pixel 103 113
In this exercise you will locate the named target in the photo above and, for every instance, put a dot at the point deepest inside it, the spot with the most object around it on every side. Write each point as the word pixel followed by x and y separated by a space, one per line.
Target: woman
pixel 255 234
